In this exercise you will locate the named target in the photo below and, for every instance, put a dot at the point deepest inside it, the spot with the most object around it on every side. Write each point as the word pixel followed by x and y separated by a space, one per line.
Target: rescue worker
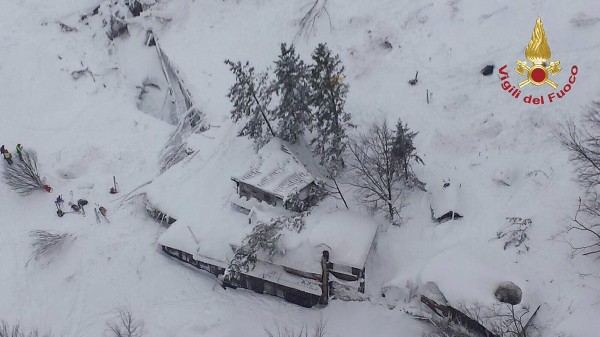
pixel 59 201
pixel 20 151
pixel 7 157
pixel 81 203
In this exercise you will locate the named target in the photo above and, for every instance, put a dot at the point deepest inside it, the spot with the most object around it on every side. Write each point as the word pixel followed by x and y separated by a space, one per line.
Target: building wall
pixel 248 282
pixel 249 191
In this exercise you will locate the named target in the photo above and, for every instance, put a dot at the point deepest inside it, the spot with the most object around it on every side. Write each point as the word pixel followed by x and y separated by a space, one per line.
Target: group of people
pixel 8 156
pixel 76 207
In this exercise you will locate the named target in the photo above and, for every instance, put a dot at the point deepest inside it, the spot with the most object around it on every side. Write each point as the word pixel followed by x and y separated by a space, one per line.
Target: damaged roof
pixel 276 170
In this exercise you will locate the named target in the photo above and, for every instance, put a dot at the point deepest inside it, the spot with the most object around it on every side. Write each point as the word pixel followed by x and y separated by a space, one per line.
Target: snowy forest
pixel 318 168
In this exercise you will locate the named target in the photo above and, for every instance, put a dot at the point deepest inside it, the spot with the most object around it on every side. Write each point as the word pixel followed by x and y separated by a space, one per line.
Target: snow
pixel 276 171
pixel 348 236
pixel 446 199
pixel 476 281
pixel 87 130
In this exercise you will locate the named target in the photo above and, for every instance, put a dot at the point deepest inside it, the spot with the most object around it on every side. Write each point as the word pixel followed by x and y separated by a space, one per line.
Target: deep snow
pixel 87 130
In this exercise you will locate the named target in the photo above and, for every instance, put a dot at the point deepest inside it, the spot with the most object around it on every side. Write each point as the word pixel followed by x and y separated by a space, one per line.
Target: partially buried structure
pixel 275 177
pixel 446 202
pixel 329 252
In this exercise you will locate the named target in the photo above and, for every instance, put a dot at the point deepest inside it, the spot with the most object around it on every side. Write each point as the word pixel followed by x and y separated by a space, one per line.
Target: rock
pixel 487 70
pixel 508 292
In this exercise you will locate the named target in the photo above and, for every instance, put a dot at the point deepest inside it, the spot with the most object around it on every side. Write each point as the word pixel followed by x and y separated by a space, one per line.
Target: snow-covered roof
pixel 276 171
pixel 207 224
pixel 346 235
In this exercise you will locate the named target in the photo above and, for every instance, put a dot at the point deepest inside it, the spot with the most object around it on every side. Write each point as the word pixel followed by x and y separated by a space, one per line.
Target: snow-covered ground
pixel 472 133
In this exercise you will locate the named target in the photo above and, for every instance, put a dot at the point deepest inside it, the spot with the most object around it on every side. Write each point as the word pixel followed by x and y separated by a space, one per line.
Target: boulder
pixel 508 292
pixel 487 70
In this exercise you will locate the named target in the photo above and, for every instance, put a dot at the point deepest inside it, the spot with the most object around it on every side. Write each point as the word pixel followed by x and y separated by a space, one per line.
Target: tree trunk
pixel 340 192
pixel 262 112
pixel 324 278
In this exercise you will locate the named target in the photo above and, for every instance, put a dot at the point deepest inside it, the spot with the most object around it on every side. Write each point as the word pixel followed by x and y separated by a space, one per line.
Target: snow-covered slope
pixel 472 132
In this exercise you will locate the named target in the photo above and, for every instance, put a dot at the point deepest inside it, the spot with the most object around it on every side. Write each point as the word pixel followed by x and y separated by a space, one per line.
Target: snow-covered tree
pixel 23 176
pixel 48 243
pixel 251 95
pixel 328 97
pixel 292 86
pixel 404 153
pixel 263 239
pixel 376 174
pixel 316 193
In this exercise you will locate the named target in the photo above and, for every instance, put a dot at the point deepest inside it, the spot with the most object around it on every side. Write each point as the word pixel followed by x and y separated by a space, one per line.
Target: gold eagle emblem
pixel 538 52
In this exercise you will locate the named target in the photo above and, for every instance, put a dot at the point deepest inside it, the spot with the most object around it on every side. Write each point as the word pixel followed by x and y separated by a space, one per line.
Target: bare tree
pixel 308 21
pixel 126 325
pixel 376 174
pixel 6 330
pixel 503 319
pixel 583 143
pixel 515 234
pixel 318 331
pixel 445 328
pixel 23 176
pixel 46 243
pixel 592 246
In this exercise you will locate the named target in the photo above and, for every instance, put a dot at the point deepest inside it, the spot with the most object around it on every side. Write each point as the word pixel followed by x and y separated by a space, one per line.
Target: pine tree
pixel 404 152
pixel 293 89
pixel 264 240
pixel 264 237
pixel 328 98
pixel 250 95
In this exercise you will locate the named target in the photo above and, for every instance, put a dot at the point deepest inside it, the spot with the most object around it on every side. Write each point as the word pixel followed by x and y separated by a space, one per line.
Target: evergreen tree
pixel 292 87
pixel 404 152
pixel 330 120
pixel 264 240
pixel 250 95
pixel 264 237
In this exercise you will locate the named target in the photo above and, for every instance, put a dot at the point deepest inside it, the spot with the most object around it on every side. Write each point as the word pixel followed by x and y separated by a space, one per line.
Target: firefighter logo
pixel 538 52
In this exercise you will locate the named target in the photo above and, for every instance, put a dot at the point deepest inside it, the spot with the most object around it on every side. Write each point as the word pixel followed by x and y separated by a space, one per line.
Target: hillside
pixel 471 133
